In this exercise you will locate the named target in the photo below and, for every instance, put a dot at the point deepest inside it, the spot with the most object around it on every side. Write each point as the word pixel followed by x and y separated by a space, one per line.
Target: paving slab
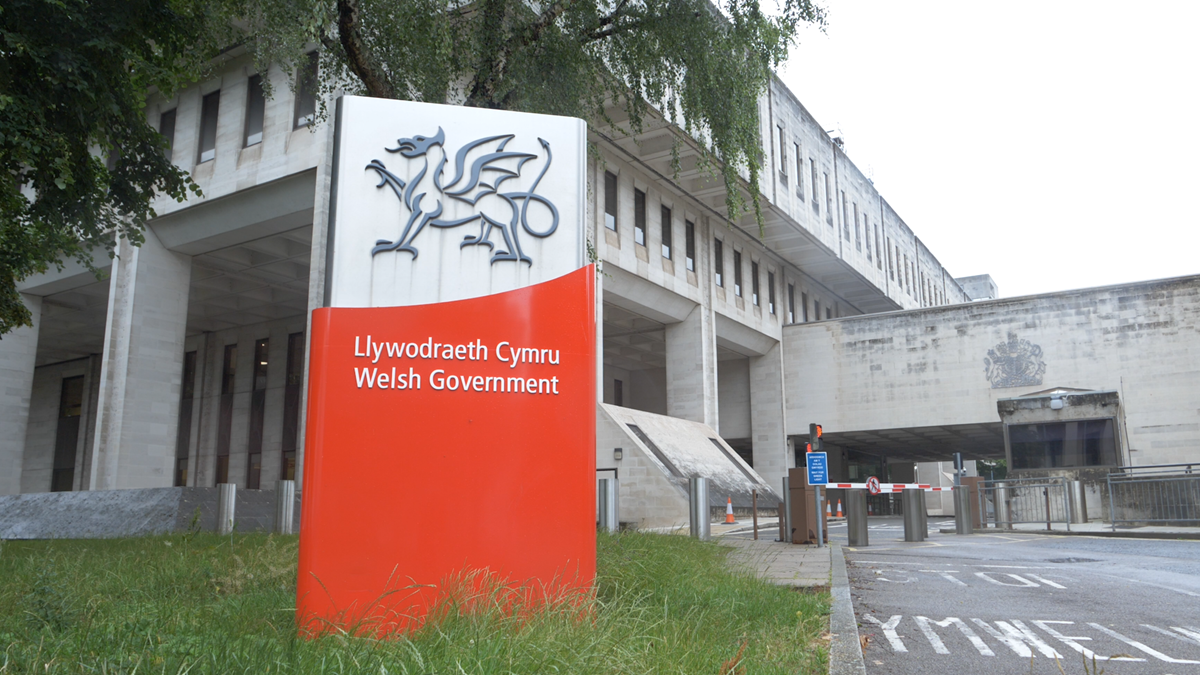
pixel 784 564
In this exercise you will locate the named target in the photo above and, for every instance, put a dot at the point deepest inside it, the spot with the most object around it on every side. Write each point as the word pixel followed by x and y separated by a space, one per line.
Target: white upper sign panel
pixel 433 203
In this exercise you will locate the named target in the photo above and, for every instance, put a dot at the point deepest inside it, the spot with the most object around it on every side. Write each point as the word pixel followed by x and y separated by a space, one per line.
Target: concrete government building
pixel 185 366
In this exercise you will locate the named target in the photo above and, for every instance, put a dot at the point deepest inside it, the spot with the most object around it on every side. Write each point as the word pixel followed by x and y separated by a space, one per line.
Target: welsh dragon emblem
pixel 476 177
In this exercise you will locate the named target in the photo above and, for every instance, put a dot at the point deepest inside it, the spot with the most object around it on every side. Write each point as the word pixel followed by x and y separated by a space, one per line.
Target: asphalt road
pixel 1012 603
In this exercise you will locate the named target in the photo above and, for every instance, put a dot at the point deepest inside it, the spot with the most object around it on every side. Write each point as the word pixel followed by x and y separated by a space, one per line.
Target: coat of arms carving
pixel 1015 362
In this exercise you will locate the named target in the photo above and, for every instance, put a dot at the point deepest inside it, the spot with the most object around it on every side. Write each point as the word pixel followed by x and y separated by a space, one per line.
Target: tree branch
pixel 358 55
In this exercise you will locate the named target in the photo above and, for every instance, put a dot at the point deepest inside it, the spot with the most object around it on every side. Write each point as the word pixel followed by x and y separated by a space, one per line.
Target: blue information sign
pixel 818 468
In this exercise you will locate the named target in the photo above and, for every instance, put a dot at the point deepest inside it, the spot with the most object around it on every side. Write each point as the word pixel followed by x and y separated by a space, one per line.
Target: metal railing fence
pixel 1165 494
pixel 1025 500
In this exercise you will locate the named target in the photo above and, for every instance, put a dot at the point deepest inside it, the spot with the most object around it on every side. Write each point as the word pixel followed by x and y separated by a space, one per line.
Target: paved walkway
pixel 783 564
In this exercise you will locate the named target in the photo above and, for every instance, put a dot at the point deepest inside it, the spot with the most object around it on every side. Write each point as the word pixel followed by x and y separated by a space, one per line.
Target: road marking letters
pixel 1023 641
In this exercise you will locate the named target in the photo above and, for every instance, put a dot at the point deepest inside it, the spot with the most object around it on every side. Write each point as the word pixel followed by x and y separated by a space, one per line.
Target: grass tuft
pixel 198 603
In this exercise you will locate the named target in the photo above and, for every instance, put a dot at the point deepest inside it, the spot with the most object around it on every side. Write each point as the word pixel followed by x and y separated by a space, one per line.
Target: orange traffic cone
pixel 828 510
pixel 839 511
pixel 729 510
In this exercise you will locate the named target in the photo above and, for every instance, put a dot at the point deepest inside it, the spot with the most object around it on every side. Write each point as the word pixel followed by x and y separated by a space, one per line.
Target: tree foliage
pixel 74 79
pixel 700 65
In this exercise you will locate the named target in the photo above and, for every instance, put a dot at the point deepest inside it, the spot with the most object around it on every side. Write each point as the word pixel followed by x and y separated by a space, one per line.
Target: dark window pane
pixel 166 127
pixel 209 108
pixel 639 217
pixel 610 200
pixel 689 237
pixel 306 91
pixel 666 233
pixel 256 106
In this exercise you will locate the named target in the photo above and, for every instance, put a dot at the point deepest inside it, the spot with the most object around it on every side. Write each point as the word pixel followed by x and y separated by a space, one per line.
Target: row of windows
pixel 865 231
pixel 666 240
pixel 666 220
pixel 256 105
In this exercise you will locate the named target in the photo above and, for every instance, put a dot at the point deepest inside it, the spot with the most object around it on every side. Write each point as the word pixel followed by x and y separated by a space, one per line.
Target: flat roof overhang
pixel 923 444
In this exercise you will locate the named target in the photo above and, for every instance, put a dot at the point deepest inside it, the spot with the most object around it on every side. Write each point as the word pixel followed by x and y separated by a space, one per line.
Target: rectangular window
pixel 183 437
pixel 225 412
pixel 737 273
pixel 66 438
pixel 1063 444
pixel 666 233
pixel 639 217
pixel 857 230
pixel 209 107
pixel 783 160
pixel 258 409
pixel 791 317
pixel 754 283
pixel 306 91
pixel 610 200
pixel 291 405
pixel 845 217
pixel 828 313
pixel 828 201
pixel 817 309
pixel 689 244
pixel 804 307
pixel 256 108
pixel 816 204
pixel 878 248
pixel 618 393
pixel 166 127
pixel 771 292
pixel 718 261
pixel 867 234
pixel 799 172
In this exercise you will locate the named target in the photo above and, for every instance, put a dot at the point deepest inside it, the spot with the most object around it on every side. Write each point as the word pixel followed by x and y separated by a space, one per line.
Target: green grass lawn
pixel 207 604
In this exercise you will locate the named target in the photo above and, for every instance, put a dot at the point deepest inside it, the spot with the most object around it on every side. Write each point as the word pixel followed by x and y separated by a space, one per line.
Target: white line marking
pixel 889 631
pixel 887 562
pixel 1018 640
pixel 1014 567
pixel 1047 581
pixel 1134 643
pixel 1191 632
pixel 1151 583
pixel 1025 583
pixel 1164 631
pixel 953 580
pixel 896 581
pixel 936 642
pixel 1072 642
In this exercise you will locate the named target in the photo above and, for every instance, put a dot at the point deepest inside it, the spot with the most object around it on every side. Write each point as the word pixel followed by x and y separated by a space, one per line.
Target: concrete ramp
pixel 658 456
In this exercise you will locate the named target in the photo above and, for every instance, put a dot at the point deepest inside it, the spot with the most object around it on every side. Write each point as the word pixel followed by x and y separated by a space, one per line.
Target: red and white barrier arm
pixel 886 487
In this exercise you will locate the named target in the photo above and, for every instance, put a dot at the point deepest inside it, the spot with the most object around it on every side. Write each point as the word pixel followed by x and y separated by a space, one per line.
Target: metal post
pixel 962 510
pixel 1078 502
pixel 787 511
pixel 698 507
pixel 1112 510
pixel 754 508
pixel 820 519
pixel 856 517
pixel 958 469
pixel 226 503
pixel 911 502
pixel 608 520
pixel 1046 494
pixel 285 505
pixel 1003 505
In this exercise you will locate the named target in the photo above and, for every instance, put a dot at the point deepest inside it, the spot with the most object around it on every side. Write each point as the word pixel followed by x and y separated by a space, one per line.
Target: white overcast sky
pixel 1051 144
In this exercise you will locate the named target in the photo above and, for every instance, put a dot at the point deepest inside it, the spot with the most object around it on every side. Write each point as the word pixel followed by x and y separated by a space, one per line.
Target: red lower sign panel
pixel 450 449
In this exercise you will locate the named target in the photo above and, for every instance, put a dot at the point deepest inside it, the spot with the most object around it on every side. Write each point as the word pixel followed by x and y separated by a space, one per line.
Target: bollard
pixel 962 510
pixel 1078 497
pixel 787 511
pixel 754 508
pixel 285 506
pixel 1003 505
pixel 607 490
pixel 698 507
pixel 914 507
pixel 856 517
pixel 226 504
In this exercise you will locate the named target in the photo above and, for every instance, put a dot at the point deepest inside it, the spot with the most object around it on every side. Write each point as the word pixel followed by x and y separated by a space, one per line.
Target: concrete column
pixel 692 368
pixel 767 425
pixel 18 351
pixel 141 368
